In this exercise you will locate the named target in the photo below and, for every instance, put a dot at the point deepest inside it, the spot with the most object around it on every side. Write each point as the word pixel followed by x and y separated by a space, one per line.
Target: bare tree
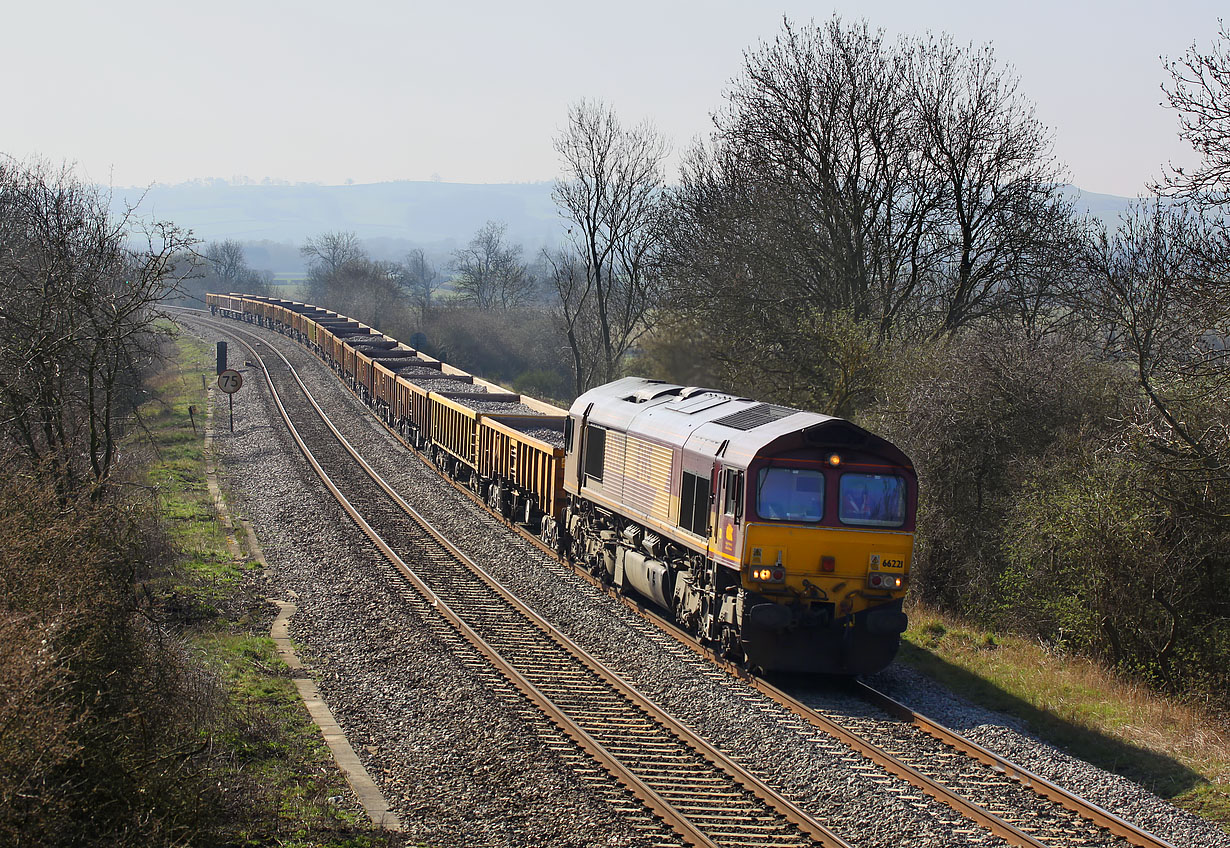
pixel 227 260
pixel 610 196
pixel 810 201
pixel 344 278
pixel 1001 218
pixel 1167 270
pixel 905 190
pixel 490 273
pixel 327 255
pixel 227 270
pixel 1200 92
pixel 421 279
pixel 575 314
pixel 77 318
pixel 330 251
pixel 1150 288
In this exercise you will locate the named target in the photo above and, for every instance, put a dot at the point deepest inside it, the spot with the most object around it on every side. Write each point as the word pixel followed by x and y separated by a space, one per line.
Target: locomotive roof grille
pixel 754 416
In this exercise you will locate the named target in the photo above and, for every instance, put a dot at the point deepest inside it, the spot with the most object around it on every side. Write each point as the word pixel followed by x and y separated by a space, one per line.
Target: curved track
pixel 700 794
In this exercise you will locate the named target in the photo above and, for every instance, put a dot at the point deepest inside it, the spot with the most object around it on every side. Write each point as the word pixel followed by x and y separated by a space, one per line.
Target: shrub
pixel 974 413
pixel 106 724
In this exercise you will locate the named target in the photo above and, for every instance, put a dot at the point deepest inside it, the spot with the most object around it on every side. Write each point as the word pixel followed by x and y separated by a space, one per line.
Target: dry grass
pixel 1178 749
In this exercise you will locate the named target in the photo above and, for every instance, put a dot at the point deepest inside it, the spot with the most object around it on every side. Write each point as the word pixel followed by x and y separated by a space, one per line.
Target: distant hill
pixel 391 218
pixel 1104 207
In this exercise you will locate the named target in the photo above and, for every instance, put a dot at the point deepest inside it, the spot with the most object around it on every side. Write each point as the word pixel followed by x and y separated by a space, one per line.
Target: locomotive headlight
pixel 769 575
pixel 835 459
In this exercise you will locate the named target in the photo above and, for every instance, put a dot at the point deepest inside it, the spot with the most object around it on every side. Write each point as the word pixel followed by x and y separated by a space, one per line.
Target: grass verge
pixel 275 752
pixel 1177 749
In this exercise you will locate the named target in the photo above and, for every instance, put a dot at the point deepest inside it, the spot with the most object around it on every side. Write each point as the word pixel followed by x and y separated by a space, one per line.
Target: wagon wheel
pixel 495 499
pixel 550 533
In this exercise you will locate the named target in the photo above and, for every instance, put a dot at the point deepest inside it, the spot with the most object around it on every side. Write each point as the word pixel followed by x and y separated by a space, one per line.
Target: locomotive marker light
pixel 878 580
pixel 230 381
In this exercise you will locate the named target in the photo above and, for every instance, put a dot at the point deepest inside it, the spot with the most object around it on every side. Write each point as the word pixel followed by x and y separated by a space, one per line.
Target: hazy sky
pixel 139 92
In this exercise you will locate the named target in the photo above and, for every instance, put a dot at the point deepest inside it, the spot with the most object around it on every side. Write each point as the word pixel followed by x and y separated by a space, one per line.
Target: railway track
pixel 1043 810
pixel 653 755
pixel 699 793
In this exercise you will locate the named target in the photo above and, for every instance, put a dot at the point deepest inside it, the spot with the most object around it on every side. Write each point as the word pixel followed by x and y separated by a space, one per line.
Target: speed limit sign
pixel 230 381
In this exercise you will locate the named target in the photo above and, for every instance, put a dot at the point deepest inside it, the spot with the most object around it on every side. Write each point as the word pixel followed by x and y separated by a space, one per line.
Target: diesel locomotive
pixel 779 537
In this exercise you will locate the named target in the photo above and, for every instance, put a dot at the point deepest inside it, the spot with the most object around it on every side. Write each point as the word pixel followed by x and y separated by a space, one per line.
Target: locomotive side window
pixel 694 504
pixel 872 500
pixel 790 494
pixel 732 503
pixel 595 452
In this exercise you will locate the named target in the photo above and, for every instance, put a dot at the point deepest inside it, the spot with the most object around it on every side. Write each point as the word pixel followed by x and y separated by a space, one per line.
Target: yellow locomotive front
pixel 825 559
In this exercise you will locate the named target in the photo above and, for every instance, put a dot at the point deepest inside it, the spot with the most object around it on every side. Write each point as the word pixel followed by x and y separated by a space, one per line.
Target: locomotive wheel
pixel 576 550
pixel 731 649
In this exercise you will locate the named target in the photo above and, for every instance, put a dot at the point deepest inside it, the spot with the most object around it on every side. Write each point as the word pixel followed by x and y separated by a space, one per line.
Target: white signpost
pixel 230 381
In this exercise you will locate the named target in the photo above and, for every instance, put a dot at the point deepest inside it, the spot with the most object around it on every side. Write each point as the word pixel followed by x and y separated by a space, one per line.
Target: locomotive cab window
pixel 694 504
pixel 595 452
pixel 872 500
pixel 790 494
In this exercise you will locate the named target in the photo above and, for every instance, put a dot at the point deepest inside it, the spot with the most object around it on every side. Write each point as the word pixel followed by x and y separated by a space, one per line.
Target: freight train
pixel 780 538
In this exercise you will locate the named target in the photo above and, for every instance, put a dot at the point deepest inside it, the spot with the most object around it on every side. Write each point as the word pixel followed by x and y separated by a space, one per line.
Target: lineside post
pixel 230 381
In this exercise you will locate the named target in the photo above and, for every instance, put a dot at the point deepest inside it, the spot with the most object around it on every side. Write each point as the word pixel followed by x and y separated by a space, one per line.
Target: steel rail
pixel 674 818
pixel 1081 807
pixel 1086 809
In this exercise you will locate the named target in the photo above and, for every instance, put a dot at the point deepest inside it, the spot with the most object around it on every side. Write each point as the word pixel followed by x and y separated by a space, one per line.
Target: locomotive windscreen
pixel 872 500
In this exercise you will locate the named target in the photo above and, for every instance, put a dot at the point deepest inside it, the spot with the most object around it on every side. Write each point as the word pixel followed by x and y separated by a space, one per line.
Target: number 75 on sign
pixel 230 381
